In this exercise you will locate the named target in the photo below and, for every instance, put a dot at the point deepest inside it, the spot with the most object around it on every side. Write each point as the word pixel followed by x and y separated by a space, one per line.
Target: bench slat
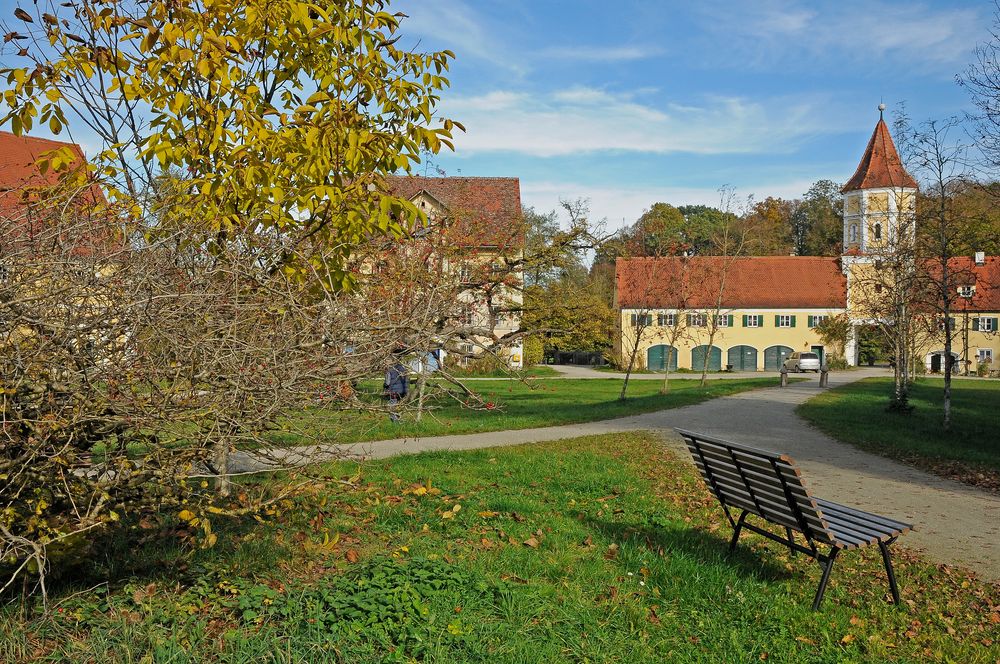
pixel 764 507
pixel 875 519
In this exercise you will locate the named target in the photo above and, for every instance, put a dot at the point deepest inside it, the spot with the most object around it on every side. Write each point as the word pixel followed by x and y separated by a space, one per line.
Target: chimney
pixel 980 258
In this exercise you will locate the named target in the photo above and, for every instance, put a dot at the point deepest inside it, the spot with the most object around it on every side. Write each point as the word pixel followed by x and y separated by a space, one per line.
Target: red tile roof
pixel 18 172
pixel 486 211
pixel 880 166
pixel 985 278
pixel 760 282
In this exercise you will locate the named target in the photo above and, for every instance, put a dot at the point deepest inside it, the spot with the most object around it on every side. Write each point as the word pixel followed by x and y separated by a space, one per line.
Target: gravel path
pixel 954 523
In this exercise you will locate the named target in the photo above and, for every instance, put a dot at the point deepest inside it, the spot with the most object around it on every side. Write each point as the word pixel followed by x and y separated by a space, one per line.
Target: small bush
pixel 836 362
pixel 983 369
pixel 534 351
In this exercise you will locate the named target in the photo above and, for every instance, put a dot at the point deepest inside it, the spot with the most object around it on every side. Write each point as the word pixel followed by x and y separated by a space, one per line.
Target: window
pixel 753 320
pixel 784 320
pixel 854 233
pixel 878 231
pixel 951 324
pixel 467 316
pixel 642 320
pixel 985 324
pixel 697 320
pixel 966 291
pixel 464 274
pixel 815 321
pixel 665 320
pixel 985 356
pixel 724 321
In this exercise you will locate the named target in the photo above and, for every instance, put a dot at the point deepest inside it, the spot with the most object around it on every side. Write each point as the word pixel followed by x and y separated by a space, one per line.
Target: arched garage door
pixel 656 358
pixel 742 358
pixel 714 358
pixel 774 356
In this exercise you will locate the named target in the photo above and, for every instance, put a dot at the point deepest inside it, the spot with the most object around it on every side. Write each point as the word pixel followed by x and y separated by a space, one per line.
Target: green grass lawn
pixel 515 405
pixel 538 371
pixel 600 549
pixel 856 414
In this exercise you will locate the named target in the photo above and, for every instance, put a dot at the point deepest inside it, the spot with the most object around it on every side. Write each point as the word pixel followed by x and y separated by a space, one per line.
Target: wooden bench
pixel 769 486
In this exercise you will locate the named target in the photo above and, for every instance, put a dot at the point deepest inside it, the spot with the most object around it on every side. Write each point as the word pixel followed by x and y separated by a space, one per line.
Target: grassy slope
pixel 856 414
pixel 601 549
pixel 522 406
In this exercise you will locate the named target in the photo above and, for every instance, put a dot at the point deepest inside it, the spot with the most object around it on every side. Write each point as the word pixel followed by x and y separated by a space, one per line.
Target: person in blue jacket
pixel 395 387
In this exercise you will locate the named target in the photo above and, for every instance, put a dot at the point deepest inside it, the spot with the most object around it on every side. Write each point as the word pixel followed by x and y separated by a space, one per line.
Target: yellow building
pixel 750 313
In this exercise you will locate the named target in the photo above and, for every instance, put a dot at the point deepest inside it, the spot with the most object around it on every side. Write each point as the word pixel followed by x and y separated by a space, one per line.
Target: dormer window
pixel 966 291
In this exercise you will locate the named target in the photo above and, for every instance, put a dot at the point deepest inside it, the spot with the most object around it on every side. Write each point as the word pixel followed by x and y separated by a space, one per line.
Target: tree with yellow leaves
pixel 281 115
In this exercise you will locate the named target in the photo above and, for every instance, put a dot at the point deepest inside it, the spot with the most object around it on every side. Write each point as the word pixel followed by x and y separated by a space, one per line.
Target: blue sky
pixel 632 102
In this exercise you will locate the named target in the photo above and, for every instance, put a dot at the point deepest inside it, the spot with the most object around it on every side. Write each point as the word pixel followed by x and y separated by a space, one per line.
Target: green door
pixel 742 358
pixel 774 356
pixel 714 358
pixel 820 354
pixel 656 358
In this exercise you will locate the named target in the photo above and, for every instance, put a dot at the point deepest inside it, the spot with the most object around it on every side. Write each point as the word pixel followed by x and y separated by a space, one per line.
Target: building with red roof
pixel 762 312
pixel 481 217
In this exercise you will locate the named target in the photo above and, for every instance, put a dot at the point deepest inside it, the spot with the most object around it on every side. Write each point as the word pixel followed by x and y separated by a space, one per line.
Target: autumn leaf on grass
pixel 450 514
pixel 653 618
pixel 847 639
pixel 352 556
pixel 612 552
pixel 487 514
pixel 532 542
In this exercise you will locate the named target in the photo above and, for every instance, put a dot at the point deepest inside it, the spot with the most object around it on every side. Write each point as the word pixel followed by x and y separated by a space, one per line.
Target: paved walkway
pixel 954 523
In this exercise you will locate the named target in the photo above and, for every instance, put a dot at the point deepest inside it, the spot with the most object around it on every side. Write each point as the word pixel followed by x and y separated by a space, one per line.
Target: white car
pixel 802 362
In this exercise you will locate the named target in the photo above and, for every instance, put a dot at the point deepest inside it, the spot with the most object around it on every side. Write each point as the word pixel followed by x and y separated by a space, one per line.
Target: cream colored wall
pixel 977 340
pixel 798 338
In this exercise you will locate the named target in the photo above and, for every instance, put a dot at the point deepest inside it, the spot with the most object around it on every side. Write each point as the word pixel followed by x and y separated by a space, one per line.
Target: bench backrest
pixel 764 483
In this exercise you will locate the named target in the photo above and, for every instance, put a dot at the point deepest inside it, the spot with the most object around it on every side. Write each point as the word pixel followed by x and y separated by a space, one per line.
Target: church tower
pixel 879 215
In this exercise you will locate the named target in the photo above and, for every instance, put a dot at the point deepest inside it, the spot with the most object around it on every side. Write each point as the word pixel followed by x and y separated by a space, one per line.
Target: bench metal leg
pixel 884 546
pixel 827 568
pixel 736 531
pixel 791 540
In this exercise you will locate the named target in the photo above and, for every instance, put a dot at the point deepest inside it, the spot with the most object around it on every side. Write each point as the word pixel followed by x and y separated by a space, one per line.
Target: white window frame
pixel 986 324
pixel 985 356
pixel 966 291
pixel 755 320
pixel 699 320
pixel 722 320
pixel 666 320
pixel 784 320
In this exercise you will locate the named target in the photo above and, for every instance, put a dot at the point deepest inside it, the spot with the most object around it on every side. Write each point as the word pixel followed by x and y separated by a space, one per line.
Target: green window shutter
pixel 730 320
pixel 810 321
pixel 793 321
pixel 777 320
pixel 744 320
pixel 975 324
pixel 689 320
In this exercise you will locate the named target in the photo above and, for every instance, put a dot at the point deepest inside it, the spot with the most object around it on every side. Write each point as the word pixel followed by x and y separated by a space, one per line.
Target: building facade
pixel 750 313
pixel 484 227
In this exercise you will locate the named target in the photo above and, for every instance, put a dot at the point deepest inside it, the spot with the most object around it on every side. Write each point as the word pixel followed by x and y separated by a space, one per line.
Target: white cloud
pixel 586 120
pixel 621 206
pixel 592 53
pixel 454 25
pixel 853 30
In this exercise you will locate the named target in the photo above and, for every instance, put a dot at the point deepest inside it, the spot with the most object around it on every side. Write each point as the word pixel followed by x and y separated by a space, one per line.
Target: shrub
pixel 534 351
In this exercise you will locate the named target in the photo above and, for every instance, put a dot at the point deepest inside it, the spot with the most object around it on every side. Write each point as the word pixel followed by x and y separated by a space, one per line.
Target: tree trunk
pixel 223 484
